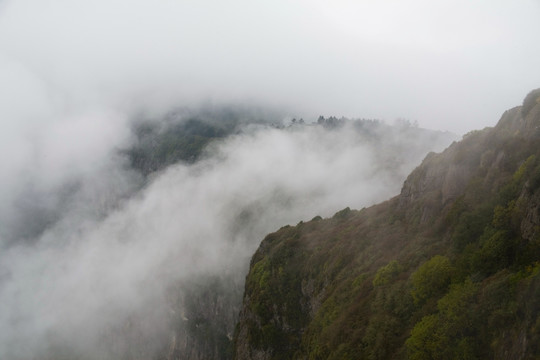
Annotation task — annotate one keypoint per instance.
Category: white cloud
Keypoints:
(376, 59)
(105, 258)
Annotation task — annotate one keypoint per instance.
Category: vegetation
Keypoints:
(183, 135)
(158, 147)
(431, 279)
(450, 269)
(530, 101)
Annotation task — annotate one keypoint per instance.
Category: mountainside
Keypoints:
(142, 252)
(449, 268)
(206, 308)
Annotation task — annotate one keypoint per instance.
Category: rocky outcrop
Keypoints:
(243, 347)
(203, 314)
(442, 178)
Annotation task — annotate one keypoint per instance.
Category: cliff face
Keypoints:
(203, 312)
(450, 268)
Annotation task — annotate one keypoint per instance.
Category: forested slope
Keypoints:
(450, 268)
(204, 308)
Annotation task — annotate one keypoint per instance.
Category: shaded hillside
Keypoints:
(450, 268)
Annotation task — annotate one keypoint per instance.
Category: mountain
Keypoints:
(140, 251)
(449, 268)
(205, 308)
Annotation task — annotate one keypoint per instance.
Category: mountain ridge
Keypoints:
(449, 268)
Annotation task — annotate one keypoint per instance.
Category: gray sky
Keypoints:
(450, 65)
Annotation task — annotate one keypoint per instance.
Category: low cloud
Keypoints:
(110, 253)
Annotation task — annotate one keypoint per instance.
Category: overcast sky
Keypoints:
(450, 65)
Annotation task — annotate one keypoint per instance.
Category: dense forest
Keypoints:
(448, 269)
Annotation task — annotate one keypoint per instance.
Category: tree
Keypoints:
(431, 278)
(450, 333)
(386, 273)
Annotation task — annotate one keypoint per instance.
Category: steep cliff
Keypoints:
(203, 314)
(449, 268)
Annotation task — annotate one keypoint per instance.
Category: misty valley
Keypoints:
(233, 232)
(144, 253)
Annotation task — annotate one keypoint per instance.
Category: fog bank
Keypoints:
(95, 279)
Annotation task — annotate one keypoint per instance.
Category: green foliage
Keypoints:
(431, 278)
(381, 336)
(449, 334)
(387, 273)
(476, 297)
(260, 273)
(343, 214)
(496, 252)
(425, 342)
(181, 137)
(470, 227)
(502, 216)
(391, 310)
(157, 148)
(455, 306)
(276, 278)
(524, 169)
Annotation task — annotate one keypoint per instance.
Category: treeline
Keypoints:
(183, 135)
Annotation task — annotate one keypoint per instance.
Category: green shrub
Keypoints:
(431, 279)
(386, 273)
(449, 334)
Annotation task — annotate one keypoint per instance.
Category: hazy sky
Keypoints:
(450, 65)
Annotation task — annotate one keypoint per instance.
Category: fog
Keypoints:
(90, 248)
(451, 66)
(109, 248)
